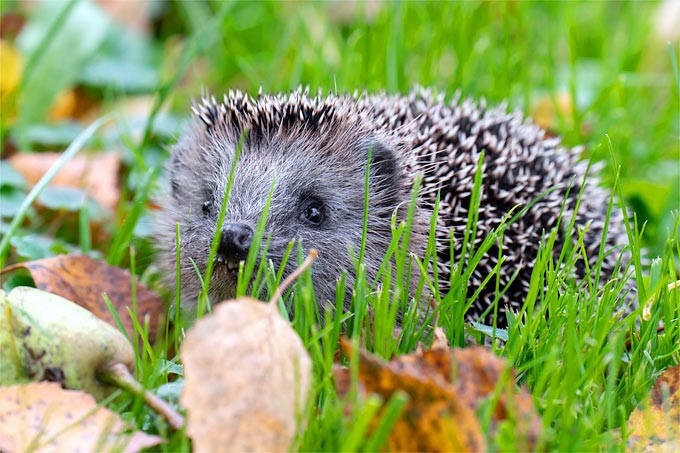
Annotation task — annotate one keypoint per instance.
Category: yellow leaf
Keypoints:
(11, 66)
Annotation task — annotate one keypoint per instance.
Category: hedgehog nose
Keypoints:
(235, 241)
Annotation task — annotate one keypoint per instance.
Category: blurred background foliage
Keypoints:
(593, 72)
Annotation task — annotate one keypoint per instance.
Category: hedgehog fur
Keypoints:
(316, 148)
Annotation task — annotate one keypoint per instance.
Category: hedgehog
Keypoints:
(315, 150)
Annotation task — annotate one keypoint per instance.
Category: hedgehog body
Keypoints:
(315, 148)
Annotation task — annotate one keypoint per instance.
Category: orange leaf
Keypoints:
(446, 387)
(98, 175)
(41, 416)
(82, 280)
(71, 104)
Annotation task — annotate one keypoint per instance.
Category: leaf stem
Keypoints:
(118, 374)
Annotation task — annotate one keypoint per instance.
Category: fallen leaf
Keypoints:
(655, 425)
(43, 417)
(446, 388)
(440, 341)
(247, 378)
(11, 67)
(98, 174)
(70, 104)
(83, 280)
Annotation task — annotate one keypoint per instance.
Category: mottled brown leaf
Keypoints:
(43, 417)
(655, 425)
(83, 280)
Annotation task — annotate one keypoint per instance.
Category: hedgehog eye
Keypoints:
(313, 213)
(207, 206)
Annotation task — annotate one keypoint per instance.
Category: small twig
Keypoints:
(296, 273)
(117, 374)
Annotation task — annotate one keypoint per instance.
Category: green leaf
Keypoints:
(124, 75)
(125, 61)
(10, 177)
(10, 201)
(171, 391)
(53, 134)
(60, 197)
(18, 278)
(32, 246)
(144, 227)
(35, 247)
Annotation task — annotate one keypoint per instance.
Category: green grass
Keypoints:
(576, 363)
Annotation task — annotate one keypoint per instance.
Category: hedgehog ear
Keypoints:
(384, 164)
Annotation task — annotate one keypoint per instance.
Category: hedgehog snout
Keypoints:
(234, 245)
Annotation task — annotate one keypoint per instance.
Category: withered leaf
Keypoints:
(43, 417)
(655, 426)
(446, 387)
(247, 379)
(83, 280)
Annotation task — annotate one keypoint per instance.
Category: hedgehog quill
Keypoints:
(316, 149)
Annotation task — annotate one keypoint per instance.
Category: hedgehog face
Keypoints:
(317, 202)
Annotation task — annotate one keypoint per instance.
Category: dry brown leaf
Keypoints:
(43, 417)
(434, 419)
(73, 103)
(655, 426)
(82, 280)
(440, 415)
(98, 174)
(247, 377)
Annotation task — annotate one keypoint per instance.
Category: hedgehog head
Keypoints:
(314, 151)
